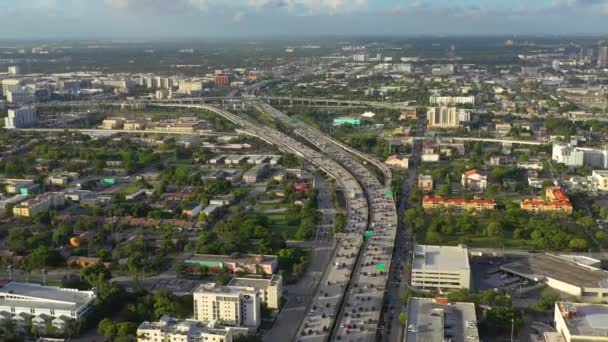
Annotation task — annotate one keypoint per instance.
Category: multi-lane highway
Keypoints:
(357, 314)
(336, 278)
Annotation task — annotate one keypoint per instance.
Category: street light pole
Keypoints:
(512, 326)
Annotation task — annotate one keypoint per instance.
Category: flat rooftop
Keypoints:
(38, 296)
(437, 258)
(589, 320)
(429, 321)
(562, 269)
(245, 258)
(258, 283)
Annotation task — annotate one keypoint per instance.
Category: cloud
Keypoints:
(238, 16)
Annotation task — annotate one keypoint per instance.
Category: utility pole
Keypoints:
(512, 327)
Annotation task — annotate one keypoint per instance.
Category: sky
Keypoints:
(31, 19)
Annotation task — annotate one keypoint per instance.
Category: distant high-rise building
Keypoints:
(14, 70)
(602, 57)
(10, 84)
(232, 305)
(443, 117)
(19, 118)
(586, 54)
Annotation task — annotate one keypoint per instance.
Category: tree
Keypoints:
(578, 244)
(49, 329)
(494, 230)
(444, 190)
(107, 328)
(43, 257)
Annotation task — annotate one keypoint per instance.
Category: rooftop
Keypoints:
(229, 289)
(44, 296)
(428, 257)
(258, 283)
(587, 320)
(240, 258)
(430, 321)
(562, 269)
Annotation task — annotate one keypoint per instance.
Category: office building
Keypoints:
(581, 322)
(234, 306)
(575, 275)
(602, 57)
(21, 118)
(451, 100)
(10, 84)
(19, 301)
(555, 201)
(270, 290)
(568, 155)
(441, 267)
(474, 180)
(437, 320)
(41, 203)
(442, 117)
(169, 329)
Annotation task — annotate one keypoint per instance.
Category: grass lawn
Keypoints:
(129, 188)
(480, 241)
(279, 219)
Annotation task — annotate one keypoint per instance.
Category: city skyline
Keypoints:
(242, 18)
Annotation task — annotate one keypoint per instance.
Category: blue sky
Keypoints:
(216, 18)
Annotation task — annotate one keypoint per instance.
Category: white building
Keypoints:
(11, 84)
(190, 87)
(567, 155)
(451, 100)
(20, 118)
(581, 322)
(19, 300)
(442, 117)
(580, 156)
(169, 329)
(234, 306)
(474, 180)
(599, 179)
(14, 70)
(270, 290)
(441, 267)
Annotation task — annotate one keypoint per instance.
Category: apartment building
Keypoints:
(21, 118)
(441, 267)
(41, 203)
(430, 202)
(270, 290)
(234, 306)
(442, 117)
(555, 201)
(451, 100)
(169, 329)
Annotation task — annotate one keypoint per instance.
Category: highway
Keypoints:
(357, 315)
(330, 289)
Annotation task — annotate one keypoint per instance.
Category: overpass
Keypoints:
(115, 131)
(491, 140)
